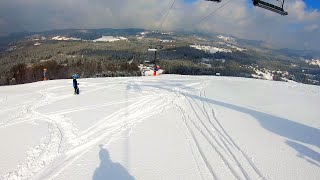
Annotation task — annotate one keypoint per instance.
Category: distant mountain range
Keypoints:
(92, 34)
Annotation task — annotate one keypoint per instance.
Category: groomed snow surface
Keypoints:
(163, 127)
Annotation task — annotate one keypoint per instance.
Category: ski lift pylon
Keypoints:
(155, 49)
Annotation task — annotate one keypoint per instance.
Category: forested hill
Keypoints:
(118, 52)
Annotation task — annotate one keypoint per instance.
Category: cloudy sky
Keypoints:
(300, 29)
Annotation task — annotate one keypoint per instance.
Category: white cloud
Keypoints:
(238, 18)
(311, 27)
(298, 11)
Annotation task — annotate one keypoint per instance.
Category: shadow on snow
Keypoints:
(277, 125)
(109, 170)
(306, 153)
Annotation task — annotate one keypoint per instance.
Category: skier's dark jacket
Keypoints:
(75, 83)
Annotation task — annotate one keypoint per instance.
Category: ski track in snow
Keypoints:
(110, 127)
(61, 133)
(65, 144)
(3, 99)
(235, 160)
(227, 136)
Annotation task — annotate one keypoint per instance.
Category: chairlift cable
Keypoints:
(213, 12)
(195, 24)
(159, 46)
(167, 14)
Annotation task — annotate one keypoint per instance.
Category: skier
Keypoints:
(75, 84)
(155, 70)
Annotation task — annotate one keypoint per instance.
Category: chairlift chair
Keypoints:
(265, 5)
(215, 0)
(271, 7)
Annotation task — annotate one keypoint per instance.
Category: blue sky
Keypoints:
(314, 4)
(189, 1)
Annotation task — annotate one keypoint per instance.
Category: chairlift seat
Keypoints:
(215, 0)
(270, 7)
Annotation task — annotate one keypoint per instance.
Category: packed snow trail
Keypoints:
(203, 128)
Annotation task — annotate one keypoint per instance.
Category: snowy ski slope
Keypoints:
(165, 127)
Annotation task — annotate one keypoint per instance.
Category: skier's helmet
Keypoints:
(75, 76)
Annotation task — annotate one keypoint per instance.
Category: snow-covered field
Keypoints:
(264, 74)
(314, 62)
(109, 39)
(102, 39)
(226, 38)
(163, 127)
(210, 49)
(62, 38)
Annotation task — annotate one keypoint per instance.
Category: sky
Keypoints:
(299, 30)
(312, 4)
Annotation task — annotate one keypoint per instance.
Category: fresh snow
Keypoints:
(163, 127)
(233, 47)
(168, 33)
(226, 38)
(144, 33)
(166, 41)
(314, 62)
(140, 37)
(62, 38)
(102, 39)
(109, 39)
(263, 74)
(210, 49)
